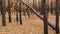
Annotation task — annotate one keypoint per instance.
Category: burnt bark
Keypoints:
(9, 11)
(57, 17)
(44, 16)
(20, 13)
(3, 13)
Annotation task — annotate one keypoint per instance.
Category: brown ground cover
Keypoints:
(32, 25)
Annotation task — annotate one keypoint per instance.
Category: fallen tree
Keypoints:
(41, 17)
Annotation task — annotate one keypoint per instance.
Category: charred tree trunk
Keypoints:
(16, 9)
(57, 17)
(3, 13)
(9, 11)
(20, 12)
(17, 15)
(44, 17)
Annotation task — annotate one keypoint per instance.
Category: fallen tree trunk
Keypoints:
(34, 11)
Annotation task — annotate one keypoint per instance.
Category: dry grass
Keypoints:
(31, 25)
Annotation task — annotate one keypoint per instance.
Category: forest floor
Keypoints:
(32, 25)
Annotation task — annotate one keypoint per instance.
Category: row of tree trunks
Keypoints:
(37, 3)
(3, 11)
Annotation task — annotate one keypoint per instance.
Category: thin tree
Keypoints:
(3, 13)
(51, 7)
(57, 17)
(27, 9)
(16, 9)
(45, 18)
(20, 12)
(9, 10)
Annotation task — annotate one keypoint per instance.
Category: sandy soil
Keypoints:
(32, 25)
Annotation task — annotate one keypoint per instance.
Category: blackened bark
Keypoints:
(45, 17)
(57, 17)
(3, 13)
(20, 12)
(9, 11)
